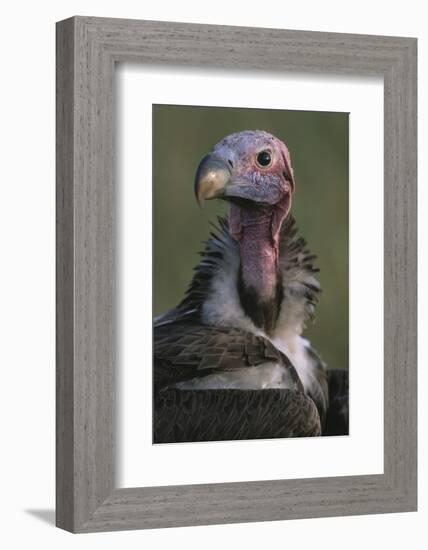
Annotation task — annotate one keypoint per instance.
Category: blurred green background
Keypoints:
(318, 144)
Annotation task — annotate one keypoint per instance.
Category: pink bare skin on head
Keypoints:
(258, 249)
(252, 170)
(256, 225)
(257, 231)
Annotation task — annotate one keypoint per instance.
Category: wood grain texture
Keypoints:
(64, 279)
(87, 49)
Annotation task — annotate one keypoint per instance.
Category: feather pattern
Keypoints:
(193, 350)
(220, 259)
(233, 414)
(206, 333)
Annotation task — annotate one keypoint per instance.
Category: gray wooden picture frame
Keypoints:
(87, 51)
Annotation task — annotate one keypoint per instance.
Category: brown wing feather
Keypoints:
(184, 350)
(219, 415)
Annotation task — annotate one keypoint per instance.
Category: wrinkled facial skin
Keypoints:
(264, 186)
(240, 151)
(252, 170)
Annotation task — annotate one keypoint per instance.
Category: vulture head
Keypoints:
(252, 171)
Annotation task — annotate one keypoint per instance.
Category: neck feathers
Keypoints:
(219, 295)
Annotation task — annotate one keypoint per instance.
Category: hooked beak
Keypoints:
(212, 177)
(214, 180)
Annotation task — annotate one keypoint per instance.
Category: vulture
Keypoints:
(230, 361)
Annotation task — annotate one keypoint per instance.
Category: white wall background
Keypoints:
(27, 271)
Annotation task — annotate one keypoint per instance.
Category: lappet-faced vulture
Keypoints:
(230, 361)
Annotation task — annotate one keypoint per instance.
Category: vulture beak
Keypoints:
(214, 180)
(212, 177)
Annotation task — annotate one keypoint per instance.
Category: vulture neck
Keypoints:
(259, 279)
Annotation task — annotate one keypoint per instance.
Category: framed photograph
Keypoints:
(236, 274)
(257, 284)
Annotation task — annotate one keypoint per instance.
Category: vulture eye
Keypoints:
(264, 159)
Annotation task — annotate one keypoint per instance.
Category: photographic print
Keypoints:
(251, 335)
(167, 334)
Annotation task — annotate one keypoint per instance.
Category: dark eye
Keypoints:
(264, 158)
